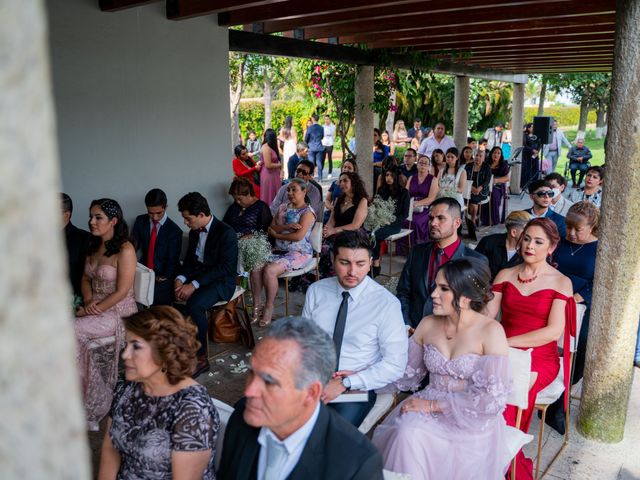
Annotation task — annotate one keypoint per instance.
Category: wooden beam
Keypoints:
(115, 5)
(505, 52)
(551, 53)
(456, 13)
(524, 45)
(183, 9)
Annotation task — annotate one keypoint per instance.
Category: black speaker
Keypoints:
(543, 129)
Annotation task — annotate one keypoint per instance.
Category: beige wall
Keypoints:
(141, 102)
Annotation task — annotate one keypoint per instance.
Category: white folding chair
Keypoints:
(144, 285)
(405, 232)
(313, 263)
(384, 403)
(224, 412)
(554, 391)
(520, 369)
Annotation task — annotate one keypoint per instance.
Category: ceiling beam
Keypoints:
(115, 5)
(522, 54)
(523, 45)
(183, 9)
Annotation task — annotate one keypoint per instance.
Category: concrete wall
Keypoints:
(141, 102)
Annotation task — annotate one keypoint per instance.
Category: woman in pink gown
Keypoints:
(107, 290)
(453, 429)
(537, 306)
(271, 172)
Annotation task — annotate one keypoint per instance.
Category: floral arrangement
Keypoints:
(254, 251)
(380, 213)
(392, 285)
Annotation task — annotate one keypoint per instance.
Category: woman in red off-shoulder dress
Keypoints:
(537, 306)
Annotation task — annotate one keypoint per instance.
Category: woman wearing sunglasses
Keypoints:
(541, 193)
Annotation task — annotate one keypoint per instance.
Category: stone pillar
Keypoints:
(43, 428)
(461, 111)
(517, 124)
(364, 125)
(616, 295)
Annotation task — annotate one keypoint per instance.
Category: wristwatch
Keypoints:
(346, 383)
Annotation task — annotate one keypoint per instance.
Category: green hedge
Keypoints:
(566, 116)
(252, 116)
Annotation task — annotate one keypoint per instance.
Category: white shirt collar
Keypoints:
(208, 225)
(297, 439)
(354, 292)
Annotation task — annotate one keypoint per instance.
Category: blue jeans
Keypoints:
(354, 412)
(553, 156)
(317, 158)
(574, 167)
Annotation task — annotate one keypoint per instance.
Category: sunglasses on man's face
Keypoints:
(302, 171)
(548, 193)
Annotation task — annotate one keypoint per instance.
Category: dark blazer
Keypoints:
(413, 292)
(313, 138)
(557, 219)
(166, 256)
(335, 450)
(77, 241)
(220, 259)
(494, 247)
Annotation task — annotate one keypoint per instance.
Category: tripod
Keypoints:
(536, 176)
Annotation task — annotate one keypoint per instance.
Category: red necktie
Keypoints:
(152, 245)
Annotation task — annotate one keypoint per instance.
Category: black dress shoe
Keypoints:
(201, 367)
(556, 420)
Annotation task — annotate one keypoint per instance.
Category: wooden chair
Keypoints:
(554, 391)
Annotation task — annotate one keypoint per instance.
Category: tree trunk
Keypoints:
(543, 95)
(600, 120)
(267, 99)
(584, 112)
(391, 115)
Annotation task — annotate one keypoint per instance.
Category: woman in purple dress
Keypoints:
(453, 428)
(271, 172)
(500, 171)
(424, 190)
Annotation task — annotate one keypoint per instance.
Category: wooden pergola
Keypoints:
(494, 36)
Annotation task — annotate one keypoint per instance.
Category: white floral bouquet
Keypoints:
(380, 213)
(254, 251)
(392, 285)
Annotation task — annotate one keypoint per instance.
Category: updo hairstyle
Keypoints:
(471, 278)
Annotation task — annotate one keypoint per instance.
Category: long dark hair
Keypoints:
(271, 139)
(452, 151)
(379, 145)
(357, 187)
(390, 191)
(111, 209)
(490, 159)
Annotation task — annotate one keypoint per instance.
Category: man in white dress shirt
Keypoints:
(438, 140)
(366, 323)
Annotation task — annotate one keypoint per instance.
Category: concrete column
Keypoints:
(42, 433)
(517, 124)
(616, 295)
(461, 111)
(364, 125)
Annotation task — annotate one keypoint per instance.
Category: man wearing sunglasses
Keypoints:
(541, 193)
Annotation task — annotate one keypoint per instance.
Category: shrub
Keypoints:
(252, 116)
(568, 116)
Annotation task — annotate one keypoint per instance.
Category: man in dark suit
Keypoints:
(541, 194)
(160, 250)
(208, 274)
(313, 138)
(281, 429)
(418, 275)
(77, 241)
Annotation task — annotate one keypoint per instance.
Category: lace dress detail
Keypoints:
(100, 339)
(463, 441)
(146, 429)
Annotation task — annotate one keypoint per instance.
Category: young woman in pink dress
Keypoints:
(271, 172)
(107, 290)
(453, 428)
(537, 306)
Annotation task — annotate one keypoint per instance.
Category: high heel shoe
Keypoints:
(257, 313)
(266, 316)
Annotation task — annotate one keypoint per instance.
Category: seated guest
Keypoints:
(302, 150)
(501, 248)
(438, 162)
(537, 306)
(391, 189)
(77, 241)
(423, 188)
(579, 156)
(162, 424)
(247, 213)
(559, 204)
(304, 172)
(350, 209)
(479, 174)
(365, 321)
(208, 274)
(417, 140)
(348, 165)
(466, 155)
(282, 429)
(107, 292)
(159, 241)
(431, 434)
(400, 134)
(472, 143)
(291, 228)
(380, 152)
(452, 178)
(592, 190)
(408, 168)
(416, 283)
(541, 193)
(244, 166)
